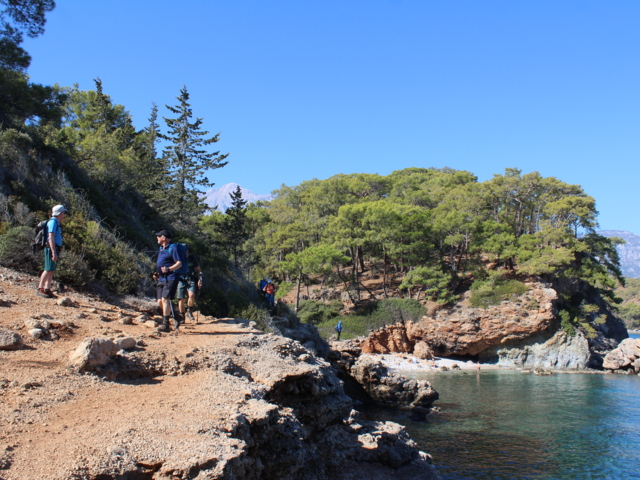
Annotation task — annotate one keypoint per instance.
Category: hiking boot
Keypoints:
(42, 293)
(50, 294)
(190, 315)
(164, 327)
(177, 321)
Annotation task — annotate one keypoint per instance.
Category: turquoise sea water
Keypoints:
(509, 425)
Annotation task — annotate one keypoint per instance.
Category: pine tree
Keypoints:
(234, 228)
(188, 160)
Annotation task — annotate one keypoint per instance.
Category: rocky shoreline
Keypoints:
(91, 391)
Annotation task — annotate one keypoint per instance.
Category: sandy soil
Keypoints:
(52, 416)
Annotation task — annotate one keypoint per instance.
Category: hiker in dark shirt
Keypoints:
(270, 294)
(168, 262)
(52, 251)
(188, 286)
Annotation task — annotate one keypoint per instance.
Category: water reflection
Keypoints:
(509, 425)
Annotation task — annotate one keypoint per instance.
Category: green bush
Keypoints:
(314, 312)
(72, 270)
(486, 293)
(16, 253)
(283, 289)
(566, 323)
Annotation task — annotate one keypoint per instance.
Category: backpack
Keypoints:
(40, 237)
(182, 254)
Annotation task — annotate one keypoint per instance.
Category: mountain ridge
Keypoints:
(629, 252)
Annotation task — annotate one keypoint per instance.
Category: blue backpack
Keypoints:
(182, 254)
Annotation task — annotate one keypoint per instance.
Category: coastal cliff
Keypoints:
(91, 391)
(524, 331)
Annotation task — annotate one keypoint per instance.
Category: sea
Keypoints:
(506, 425)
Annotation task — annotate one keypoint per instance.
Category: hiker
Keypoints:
(270, 294)
(188, 285)
(168, 262)
(339, 328)
(261, 285)
(52, 251)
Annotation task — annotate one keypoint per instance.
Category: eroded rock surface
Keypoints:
(219, 400)
(625, 357)
(467, 330)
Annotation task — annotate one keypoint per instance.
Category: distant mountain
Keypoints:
(629, 252)
(219, 197)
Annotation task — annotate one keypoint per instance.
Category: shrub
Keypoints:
(486, 293)
(251, 312)
(72, 270)
(16, 253)
(314, 312)
(566, 323)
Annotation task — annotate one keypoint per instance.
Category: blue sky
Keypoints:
(308, 89)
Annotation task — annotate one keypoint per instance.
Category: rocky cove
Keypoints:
(90, 390)
(524, 332)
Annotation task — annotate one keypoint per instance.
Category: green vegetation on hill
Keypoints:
(428, 234)
(629, 309)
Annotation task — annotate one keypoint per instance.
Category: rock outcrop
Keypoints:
(392, 390)
(368, 380)
(285, 416)
(522, 332)
(559, 352)
(625, 357)
(466, 330)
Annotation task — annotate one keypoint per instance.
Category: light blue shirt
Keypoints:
(53, 226)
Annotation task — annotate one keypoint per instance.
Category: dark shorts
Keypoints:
(186, 285)
(167, 289)
(49, 264)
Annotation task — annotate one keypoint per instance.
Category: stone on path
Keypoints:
(93, 352)
(10, 340)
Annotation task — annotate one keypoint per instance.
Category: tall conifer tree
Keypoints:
(188, 160)
(234, 228)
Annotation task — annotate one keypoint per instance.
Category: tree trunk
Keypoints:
(298, 291)
(384, 271)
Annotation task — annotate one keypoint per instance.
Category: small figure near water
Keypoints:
(339, 328)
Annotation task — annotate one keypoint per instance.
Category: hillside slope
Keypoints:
(219, 400)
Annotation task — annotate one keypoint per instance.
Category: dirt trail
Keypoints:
(52, 417)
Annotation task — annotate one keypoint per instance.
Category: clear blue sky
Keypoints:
(308, 89)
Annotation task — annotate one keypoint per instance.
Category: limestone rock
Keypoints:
(31, 323)
(64, 302)
(466, 330)
(10, 340)
(630, 348)
(390, 389)
(423, 351)
(560, 352)
(615, 360)
(93, 352)
(126, 343)
(37, 333)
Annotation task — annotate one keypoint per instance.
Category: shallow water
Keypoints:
(508, 425)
